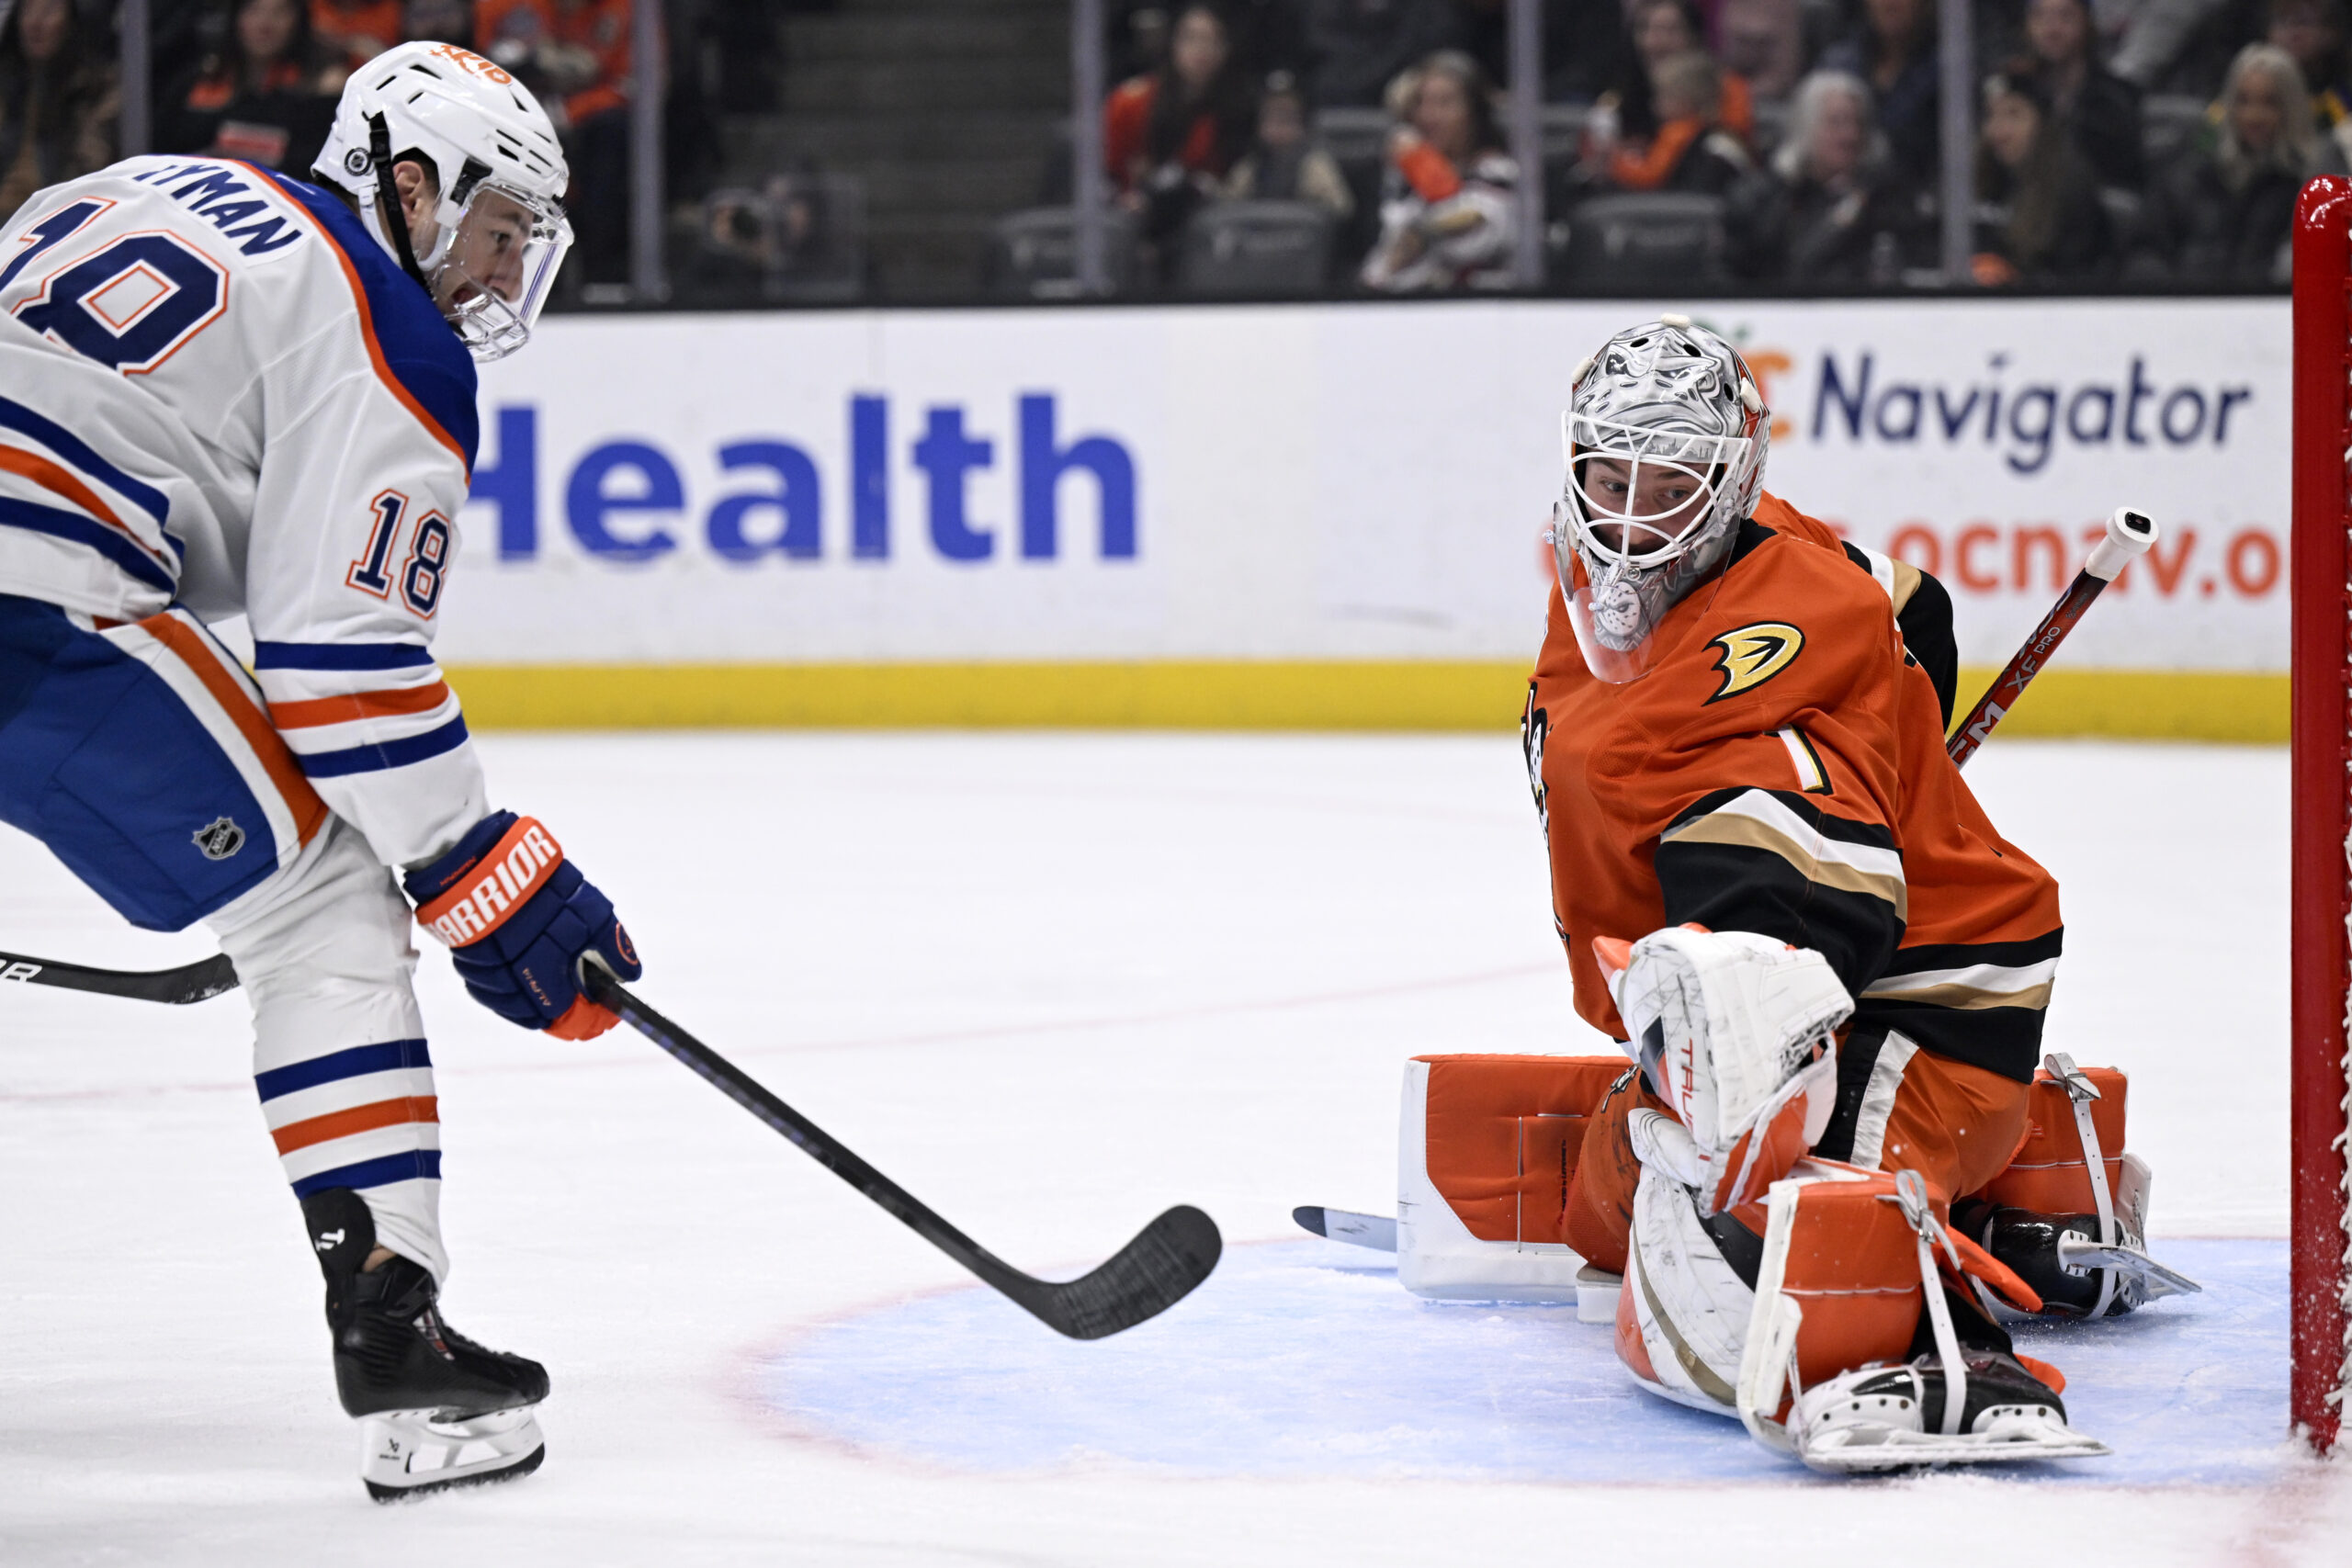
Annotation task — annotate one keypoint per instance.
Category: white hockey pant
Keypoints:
(324, 951)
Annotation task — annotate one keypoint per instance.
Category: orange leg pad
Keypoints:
(1504, 1136)
(2049, 1174)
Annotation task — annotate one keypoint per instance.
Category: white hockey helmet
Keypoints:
(500, 175)
(1664, 439)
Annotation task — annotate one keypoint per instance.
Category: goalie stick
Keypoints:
(1377, 1232)
(1142, 1279)
(2128, 533)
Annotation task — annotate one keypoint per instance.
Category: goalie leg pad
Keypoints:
(1488, 1149)
(1599, 1218)
(1683, 1311)
(1851, 1261)
(2070, 1212)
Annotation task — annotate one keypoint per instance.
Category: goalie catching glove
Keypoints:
(518, 919)
(1733, 1031)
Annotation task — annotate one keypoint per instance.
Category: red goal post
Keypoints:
(2321, 1332)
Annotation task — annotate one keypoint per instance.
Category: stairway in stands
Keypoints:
(945, 109)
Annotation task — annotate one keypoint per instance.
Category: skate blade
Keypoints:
(2080, 1254)
(409, 1454)
(1860, 1450)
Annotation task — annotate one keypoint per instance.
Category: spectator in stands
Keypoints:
(1894, 53)
(1656, 31)
(2311, 32)
(2040, 218)
(1447, 215)
(1692, 150)
(1170, 137)
(1285, 164)
(2164, 45)
(2224, 213)
(59, 100)
(2099, 110)
(1763, 42)
(1829, 213)
(575, 55)
(1191, 117)
(1361, 47)
(266, 94)
(356, 31)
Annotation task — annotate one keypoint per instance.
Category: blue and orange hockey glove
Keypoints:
(518, 918)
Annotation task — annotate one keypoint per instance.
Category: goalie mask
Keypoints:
(1664, 439)
(499, 229)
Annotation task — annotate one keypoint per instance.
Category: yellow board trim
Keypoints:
(1239, 695)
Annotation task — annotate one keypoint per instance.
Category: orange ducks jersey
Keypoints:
(1780, 769)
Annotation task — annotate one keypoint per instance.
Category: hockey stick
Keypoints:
(197, 982)
(1144, 1279)
(2128, 533)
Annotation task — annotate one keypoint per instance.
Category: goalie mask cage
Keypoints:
(2322, 578)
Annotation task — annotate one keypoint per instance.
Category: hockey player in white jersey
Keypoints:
(223, 391)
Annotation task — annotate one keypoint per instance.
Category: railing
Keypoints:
(1527, 117)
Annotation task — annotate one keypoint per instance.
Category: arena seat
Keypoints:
(1646, 239)
(1256, 247)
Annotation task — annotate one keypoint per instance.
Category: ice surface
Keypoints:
(1054, 984)
(2187, 1391)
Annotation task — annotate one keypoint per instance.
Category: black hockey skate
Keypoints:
(2070, 1268)
(1892, 1417)
(436, 1409)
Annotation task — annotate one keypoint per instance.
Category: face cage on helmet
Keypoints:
(1617, 594)
(1705, 460)
(494, 314)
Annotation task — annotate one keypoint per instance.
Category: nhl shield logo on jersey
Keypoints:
(218, 839)
(1753, 655)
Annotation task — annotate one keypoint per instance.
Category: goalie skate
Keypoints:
(1892, 1417)
(407, 1453)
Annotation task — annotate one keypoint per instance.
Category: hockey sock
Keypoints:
(366, 1120)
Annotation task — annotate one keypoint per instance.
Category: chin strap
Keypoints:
(379, 146)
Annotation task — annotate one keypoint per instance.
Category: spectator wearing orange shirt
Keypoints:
(1191, 116)
(357, 30)
(1658, 30)
(1692, 150)
(1168, 138)
(575, 55)
(1447, 215)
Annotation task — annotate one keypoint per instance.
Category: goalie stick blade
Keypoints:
(1342, 1224)
(1153, 1272)
(197, 982)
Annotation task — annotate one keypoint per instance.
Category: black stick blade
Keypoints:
(197, 982)
(1142, 1279)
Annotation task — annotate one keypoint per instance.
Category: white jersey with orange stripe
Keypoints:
(217, 391)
